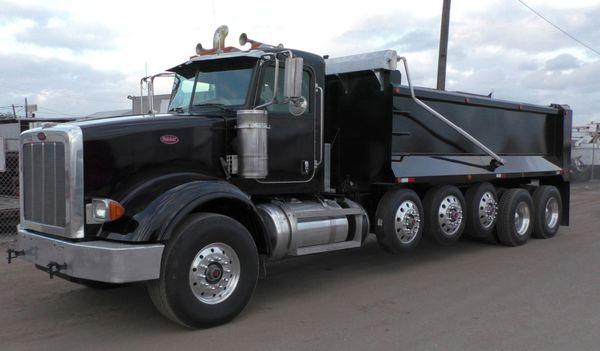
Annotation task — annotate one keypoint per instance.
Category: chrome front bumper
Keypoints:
(103, 261)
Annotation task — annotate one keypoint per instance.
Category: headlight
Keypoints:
(103, 210)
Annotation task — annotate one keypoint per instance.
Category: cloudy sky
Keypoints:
(79, 57)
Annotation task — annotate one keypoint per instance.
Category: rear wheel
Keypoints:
(444, 213)
(547, 205)
(515, 217)
(482, 211)
(209, 272)
(398, 220)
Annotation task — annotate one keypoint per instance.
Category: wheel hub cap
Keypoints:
(450, 215)
(214, 273)
(407, 222)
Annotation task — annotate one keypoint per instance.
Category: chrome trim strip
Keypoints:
(103, 261)
(72, 136)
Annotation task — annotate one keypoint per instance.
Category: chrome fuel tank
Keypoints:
(300, 227)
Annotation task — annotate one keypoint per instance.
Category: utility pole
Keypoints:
(14, 112)
(26, 115)
(443, 54)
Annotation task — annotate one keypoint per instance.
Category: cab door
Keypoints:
(291, 139)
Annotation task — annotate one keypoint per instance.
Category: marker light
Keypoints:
(103, 210)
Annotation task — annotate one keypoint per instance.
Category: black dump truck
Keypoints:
(269, 152)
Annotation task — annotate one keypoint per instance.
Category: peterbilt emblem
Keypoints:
(169, 139)
(41, 136)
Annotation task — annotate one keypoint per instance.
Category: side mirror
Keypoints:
(292, 85)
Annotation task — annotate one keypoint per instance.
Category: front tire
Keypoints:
(209, 272)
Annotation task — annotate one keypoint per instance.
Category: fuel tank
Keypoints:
(297, 227)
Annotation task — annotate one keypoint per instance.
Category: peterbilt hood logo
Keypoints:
(169, 139)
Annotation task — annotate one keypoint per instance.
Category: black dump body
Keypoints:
(380, 137)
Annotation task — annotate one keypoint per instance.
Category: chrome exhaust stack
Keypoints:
(219, 38)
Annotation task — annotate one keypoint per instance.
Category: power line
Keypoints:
(560, 29)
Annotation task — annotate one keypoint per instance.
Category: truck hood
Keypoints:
(122, 153)
(117, 126)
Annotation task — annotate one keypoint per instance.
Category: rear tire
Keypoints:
(208, 273)
(444, 214)
(547, 205)
(482, 211)
(515, 217)
(398, 222)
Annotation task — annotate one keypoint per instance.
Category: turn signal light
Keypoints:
(103, 210)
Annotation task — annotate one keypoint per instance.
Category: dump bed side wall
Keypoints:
(509, 129)
(534, 140)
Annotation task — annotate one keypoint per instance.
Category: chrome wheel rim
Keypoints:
(488, 209)
(551, 212)
(450, 215)
(214, 273)
(522, 218)
(407, 222)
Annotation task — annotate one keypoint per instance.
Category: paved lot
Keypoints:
(542, 296)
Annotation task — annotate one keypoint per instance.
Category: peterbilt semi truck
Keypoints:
(269, 152)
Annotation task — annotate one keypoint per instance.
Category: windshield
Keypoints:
(223, 87)
(181, 94)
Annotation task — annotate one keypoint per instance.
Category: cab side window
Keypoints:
(266, 89)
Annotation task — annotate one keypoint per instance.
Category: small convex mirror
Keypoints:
(298, 106)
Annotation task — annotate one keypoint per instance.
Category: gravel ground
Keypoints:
(472, 296)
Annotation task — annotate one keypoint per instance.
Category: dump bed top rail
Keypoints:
(385, 59)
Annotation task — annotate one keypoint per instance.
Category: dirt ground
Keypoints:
(472, 296)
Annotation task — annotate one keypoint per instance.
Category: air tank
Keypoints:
(252, 128)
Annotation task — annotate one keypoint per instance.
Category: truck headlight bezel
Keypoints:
(103, 210)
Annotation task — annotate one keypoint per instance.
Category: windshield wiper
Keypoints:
(177, 109)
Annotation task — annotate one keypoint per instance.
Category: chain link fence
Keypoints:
(9, 197)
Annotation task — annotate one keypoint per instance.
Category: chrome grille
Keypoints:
(44, 178)
(51, 172)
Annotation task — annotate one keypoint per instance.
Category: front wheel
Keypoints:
(209, 271)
